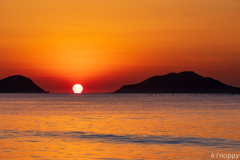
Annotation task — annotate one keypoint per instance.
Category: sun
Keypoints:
(77, 88)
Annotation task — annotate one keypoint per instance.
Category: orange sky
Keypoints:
(106, 44)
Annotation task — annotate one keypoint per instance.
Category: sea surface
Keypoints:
(119, 126)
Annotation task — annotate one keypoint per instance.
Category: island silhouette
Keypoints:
(19, 84)
(183, 82)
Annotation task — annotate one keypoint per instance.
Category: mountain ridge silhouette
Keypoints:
(182, 82)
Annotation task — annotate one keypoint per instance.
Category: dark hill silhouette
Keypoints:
(183, 82)
(19, 84)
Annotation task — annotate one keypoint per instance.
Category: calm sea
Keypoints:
(119, 126)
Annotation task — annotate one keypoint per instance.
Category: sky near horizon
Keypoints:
(104, 44)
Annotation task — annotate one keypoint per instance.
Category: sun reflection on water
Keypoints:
(86, 130)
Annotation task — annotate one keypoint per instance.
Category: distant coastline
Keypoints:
(19, 84)
(183, 82)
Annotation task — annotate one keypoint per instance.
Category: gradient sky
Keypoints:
(104, 44)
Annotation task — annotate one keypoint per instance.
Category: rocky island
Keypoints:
(19, 84)
(183, 82)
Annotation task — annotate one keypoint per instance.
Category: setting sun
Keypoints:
(77, 88)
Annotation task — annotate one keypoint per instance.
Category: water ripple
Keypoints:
(153, 139)
(141, 139)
